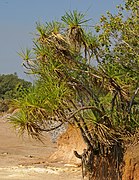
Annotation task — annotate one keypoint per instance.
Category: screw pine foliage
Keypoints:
(91, 81)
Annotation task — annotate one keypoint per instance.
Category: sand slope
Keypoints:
(22, 158)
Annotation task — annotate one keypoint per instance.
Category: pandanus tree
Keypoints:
(90, 81)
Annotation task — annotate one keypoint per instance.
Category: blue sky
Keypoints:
(18, 19)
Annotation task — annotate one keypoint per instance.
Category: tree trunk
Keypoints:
(102, 164)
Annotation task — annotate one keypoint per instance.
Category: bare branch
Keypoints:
(51, 129)
(132, 99)
(84, 108)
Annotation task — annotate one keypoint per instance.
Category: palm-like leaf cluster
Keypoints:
(70, 88)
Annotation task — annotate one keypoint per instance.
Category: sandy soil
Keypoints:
(22, 158)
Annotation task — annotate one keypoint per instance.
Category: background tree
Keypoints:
(10, 88)
(101, 100)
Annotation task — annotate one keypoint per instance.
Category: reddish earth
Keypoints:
(67, 143)
(131, 158)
